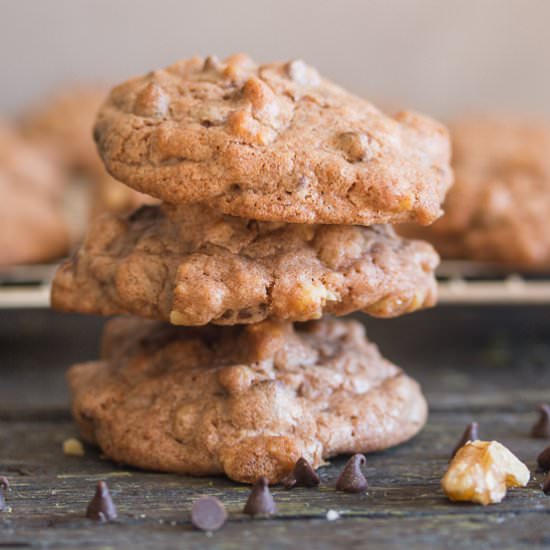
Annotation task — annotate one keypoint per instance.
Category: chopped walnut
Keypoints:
(302, 74)
(237, 66)
(152, 101)
(356, 146)
(244, 125)
(73, 447)
(482, 471)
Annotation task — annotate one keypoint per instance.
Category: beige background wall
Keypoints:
(440, 56)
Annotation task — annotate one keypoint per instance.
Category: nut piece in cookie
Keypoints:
(245, 401)
(191, 265)
(482, 471)
(243, 138)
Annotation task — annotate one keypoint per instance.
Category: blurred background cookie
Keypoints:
(61, 124)
(499, 207)
(32, 227)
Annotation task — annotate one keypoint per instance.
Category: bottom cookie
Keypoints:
(244, 401)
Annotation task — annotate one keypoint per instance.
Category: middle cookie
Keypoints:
(192, 265)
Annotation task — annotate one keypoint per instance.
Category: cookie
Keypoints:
(32, 227)
(191, 265)
(245, 401)
(63, 123)
(272, 142)
(499, 207)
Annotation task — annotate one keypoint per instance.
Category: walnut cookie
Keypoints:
(499, 207)
(273, 142)
(192, 265)
(32, 224)
(246, 401)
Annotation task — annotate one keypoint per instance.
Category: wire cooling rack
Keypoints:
(459, 283)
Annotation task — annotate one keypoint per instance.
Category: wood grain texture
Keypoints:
(489, 366)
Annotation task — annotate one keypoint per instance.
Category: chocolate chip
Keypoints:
(541, 428)
(4, 486)
(303, 475)
(543, 460)
(351, 479)
(208, 514)
(546, 485)
(260, 501)
(470, 434)
(101, 507)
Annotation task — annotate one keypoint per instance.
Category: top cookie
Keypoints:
(272, 142)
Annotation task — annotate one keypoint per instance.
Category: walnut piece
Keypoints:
(73, 447)
(151, 101)
(482, 471)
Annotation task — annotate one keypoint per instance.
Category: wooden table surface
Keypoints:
(486, 364)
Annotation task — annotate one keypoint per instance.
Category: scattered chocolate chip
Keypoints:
(260, 500)
(208, 514)
(541, 428)
(546, 485)
(101, 507)
(351, 479)
(4, 486)
(303, 475)
(470, 434)
(543, 460)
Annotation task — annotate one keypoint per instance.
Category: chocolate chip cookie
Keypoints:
(499, 207)
(272, 142)
(32, 227)
(62, 125)
(247, 400)
(192, 265)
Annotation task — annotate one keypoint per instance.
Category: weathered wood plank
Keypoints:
(403, 481)
(495, 375)
(465, 358)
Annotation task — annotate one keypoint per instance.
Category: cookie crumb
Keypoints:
(73, 447)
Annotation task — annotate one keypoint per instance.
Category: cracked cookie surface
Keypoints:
(274, 142)
(192, 265)
(246, 400)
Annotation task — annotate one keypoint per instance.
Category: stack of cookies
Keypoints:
(275, 183)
